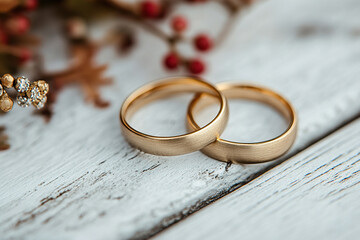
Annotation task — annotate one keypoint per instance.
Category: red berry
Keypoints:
(196, 66)
(203, 42)
(171, 61)
(18, 24)
(179, 23)
(150, 9)
(25, 55)
(31, 4)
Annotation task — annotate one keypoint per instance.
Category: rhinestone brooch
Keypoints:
(28, 93)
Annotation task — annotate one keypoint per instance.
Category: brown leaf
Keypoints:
(83, 72)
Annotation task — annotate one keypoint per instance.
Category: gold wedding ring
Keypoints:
(174, 145)
(258, 152)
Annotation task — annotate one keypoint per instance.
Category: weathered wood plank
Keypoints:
(76, 177)
(314, 195)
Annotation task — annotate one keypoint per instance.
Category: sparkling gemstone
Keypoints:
(22, 84)
(35, 94)
(1, 90)
(41, 103)
(46, 88)
(43, 86)
(23, 100)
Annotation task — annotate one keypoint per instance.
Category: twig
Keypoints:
(130, 12)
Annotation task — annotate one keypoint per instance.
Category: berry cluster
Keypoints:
(155, 10)
(201, 42)
(146, 12)
(14, 25)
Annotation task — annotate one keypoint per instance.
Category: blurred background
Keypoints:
(67, 169)
(107, 48)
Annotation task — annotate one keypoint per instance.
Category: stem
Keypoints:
(129, 12)
(228, 25)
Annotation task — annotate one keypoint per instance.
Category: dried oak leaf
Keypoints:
(84, 72)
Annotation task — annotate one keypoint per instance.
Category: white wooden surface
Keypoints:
(77, 178)
(314, 195)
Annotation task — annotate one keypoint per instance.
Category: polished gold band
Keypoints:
(248, 152)
(176, 145)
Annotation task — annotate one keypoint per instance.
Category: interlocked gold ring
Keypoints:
(228, 151)
(175, 145)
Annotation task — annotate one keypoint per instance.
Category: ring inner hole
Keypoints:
(166, 116)
(249, 121)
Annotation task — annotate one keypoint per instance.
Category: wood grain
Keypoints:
(313, 195)
(77, 178)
